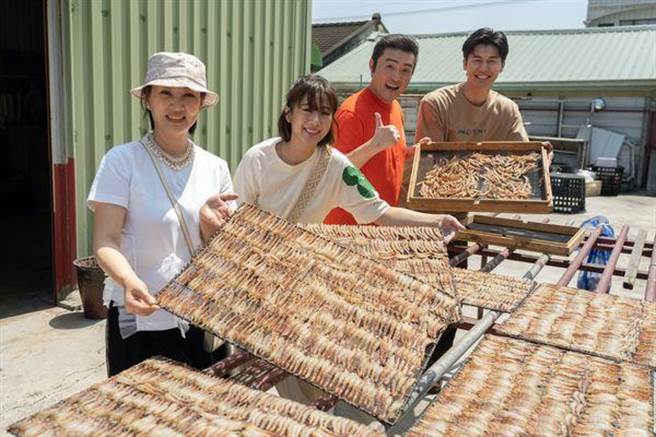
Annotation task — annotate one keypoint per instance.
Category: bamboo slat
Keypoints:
(511, 387)
(609, 326)
(349, 325)
(161, 397)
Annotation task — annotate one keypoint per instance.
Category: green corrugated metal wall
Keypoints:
(253, 50)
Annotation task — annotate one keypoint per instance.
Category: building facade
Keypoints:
(96, 51)
(609, 13)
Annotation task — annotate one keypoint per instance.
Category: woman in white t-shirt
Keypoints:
(273, 174)
(139, 237)
(298, 176)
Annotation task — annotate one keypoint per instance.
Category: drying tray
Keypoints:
(162, 397)
(290, 297)
(428, 155)
(513, 387)
(419, 251)
(608, 326)
(520, 234)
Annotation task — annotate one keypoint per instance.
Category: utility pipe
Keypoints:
(650, 294)
(604, 282)
(576, 263)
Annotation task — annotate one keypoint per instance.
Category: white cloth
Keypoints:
(152, 239)
(263, 179)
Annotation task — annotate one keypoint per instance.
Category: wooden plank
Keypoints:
(511, 231)
(523, 224)
(485, 146)
(413, 174)
(471, 205)
(634, 261)
(528, 206)
(533, 237)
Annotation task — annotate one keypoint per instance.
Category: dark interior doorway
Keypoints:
(25, 168)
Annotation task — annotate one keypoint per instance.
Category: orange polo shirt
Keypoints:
(356, 124)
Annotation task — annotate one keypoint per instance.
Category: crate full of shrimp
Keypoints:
(492, 176)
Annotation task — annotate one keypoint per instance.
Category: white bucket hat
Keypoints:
(180, 70)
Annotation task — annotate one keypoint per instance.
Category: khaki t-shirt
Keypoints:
(446, 115)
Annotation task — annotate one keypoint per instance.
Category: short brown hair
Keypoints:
(405, 43)
(487, 37)
(317, 90)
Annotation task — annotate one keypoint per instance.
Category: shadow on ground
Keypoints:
(74, 320)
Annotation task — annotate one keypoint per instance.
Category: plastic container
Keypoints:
(593, 188)
(611, 178)
(91, 282)
(568, 192)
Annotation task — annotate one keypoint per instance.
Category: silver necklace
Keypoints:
(172, 162)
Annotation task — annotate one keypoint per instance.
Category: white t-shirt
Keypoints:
(265, 180)
(152, 240)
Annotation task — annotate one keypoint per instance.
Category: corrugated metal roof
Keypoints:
(593, 57)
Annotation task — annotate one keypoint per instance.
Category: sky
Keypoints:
(440, 16)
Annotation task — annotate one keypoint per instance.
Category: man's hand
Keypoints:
(385, 136)
(137, 298)
(410, 150)
(450, 226)
(214, 213)
(550, 153)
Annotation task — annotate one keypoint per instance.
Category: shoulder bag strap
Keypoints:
(174, 202)
(311, 185)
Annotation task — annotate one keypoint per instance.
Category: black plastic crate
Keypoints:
(611, 178)
(568, 192)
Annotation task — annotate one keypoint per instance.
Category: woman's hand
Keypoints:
(214, 213)
(449, 226)
(137, 298)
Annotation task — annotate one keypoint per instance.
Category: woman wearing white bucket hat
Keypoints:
(147, 196)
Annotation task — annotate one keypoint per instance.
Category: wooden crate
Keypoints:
(426, 156)
(518, 234)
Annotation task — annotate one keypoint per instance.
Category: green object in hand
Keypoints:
(352, 176)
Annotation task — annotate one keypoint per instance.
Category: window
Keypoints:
(638, 22)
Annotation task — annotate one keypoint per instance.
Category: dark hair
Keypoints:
(487, 37)
(145, 92)
(318, 91)
(397, 41)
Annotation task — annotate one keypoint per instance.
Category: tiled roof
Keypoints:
(327, 35)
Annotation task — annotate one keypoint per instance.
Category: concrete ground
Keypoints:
(49, 353)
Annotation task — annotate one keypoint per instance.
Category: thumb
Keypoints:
(228, 196)
(379, 119)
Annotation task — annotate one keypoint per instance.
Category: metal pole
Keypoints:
(270, 379)
(498, 259)
(604, 282)
(650, 294)
(576, 263)
(446, 361)
(225, 365)
(459, 258)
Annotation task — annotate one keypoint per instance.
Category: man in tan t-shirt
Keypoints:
(471, 111)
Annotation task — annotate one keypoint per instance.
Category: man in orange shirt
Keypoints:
(370, 122)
